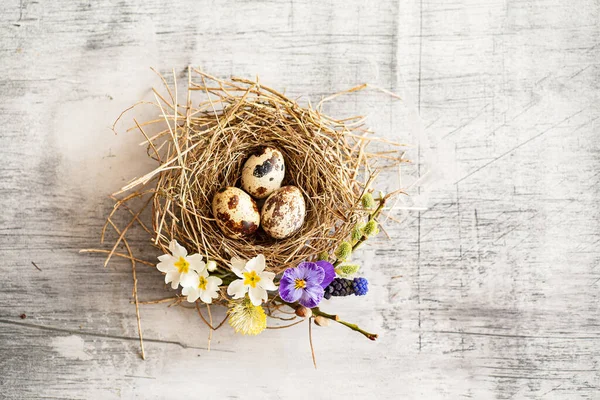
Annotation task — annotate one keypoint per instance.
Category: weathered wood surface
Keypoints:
(499, 293)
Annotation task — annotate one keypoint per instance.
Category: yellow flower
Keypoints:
(246, 318)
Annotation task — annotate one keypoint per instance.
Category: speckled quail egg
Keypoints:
(236, 212)
(283, 212)
(263, 172)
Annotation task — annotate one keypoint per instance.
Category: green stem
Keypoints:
(360, 241)
(317, 311)
(354, 327)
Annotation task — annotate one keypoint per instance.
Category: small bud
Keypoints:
(323, 256)
(357, 231)
(303, 312)
(321, 321)
(367, 201)
(344, 251)
(211, 265)
(371, 228)
(347, 270)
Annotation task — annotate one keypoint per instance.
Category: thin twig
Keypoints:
(122, 235)
(118, 255)
(354, 327)
(207, 323)
(210, 329)
(135, 292)
(159, 301)
(312, 349)
(137, 303)
(285, 326)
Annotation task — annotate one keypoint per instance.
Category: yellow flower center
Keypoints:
(299, 284)
(251, 278)
(182, 265)
(202, 283)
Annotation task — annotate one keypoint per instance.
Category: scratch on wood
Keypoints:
(102, 335)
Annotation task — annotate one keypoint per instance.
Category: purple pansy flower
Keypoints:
(306, 283)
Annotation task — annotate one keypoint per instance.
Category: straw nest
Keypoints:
(201, 146)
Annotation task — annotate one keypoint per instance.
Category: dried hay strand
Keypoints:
(202, 145)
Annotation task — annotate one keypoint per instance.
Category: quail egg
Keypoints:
(236, 212)
(283, 212)
(263, 172)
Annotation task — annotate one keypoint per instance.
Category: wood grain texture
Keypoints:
(499, 290)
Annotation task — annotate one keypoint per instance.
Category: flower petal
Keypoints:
(287, 291)
(237, 289)
(295, 273)
(213, 283)
(266, 281)
(256, 264)
(191, 293)
(190, 279)
(302, 269)
(313, 274)
(177, 250)
(237, 266)
(173, 277)
(312, 296)
(166, 257)
(329, 272)
(206, 297)
(257, 295)
(167, 265)
(196, 263)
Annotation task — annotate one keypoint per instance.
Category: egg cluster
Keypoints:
(282, 213)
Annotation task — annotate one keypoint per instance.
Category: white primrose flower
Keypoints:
(179, 267)
(254, 279)
(202, 286)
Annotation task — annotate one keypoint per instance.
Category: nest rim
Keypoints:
(316, 160)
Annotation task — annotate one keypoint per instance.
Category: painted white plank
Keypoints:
(499, 290)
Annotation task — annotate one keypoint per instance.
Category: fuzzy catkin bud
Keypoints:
(321, 321)
(357, 231)
(371, 228)
(347, 270)
(367, 201)
(303, 312)
(324, 256)
(343, 251)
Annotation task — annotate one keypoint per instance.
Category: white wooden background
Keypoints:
(499, 293)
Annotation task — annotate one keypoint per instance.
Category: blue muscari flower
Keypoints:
(360, 286)
(346, 287)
